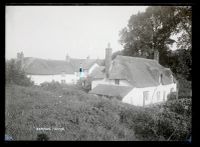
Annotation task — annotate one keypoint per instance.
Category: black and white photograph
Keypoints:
(98, 73)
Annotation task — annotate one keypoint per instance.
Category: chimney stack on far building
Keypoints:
(108, 58)
(20, 59)
(156, 55)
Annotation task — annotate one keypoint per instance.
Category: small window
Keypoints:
(116, 81)
(63, 81)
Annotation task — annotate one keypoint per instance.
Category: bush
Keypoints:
(172, 96)
(85, 84)
(42, 137)
(173, 126)
(16, 75)
(169, 121)
(51, 86)
(140, 121)
(174, 122)
(185, 88)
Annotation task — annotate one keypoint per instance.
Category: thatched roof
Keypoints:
(111, 90)
(140, 72)
(38, 66)
(98, 73)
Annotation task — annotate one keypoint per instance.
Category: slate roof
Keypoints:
(111, 90)
(36, 66)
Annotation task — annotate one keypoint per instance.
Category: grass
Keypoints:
(88, 117)
(84, 117)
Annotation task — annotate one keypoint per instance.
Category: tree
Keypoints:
(152, 29)
(15, 74)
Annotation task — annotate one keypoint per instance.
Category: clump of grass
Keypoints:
(42, 137)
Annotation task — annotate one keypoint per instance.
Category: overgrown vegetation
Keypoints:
(87, 117)
(16, 75)
(83, 117)
(85, 84)
(153, 30)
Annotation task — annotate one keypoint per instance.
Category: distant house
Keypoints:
(63, 71)
(133, 80)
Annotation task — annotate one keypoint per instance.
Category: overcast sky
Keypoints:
(51, 32)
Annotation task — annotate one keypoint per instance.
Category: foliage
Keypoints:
(51, 86)
(185, 88)
(87, 117)
(85, 84)
(180, 62)
(15, 74)
(169, 121)
(82, 116)
(146, 33)
(152, 30)
(184, 27)
(42, 137)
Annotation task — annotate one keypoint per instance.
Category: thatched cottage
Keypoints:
(133, 80)
(63, 71)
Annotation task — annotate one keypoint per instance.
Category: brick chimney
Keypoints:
(156, 55)
(108, 58)
(20, 59)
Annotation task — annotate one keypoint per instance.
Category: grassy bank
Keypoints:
(82, 116)
(87, 117)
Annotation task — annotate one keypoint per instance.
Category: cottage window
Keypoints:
(63, 81)
(116, 81)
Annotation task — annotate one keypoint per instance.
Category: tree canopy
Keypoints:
(153, 30)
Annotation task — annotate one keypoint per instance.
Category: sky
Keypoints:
(52, 32)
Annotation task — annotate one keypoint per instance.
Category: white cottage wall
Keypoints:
(69, 78)
(135, 96)
(109, 82)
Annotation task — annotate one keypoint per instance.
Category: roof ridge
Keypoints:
(140, 58)
(114, 85)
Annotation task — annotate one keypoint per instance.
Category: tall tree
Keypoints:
(152, 30)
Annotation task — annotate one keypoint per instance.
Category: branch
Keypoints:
(172, 134)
